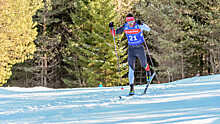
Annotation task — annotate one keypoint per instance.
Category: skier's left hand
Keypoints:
(139, 22)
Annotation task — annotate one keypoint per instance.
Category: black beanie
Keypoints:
(129, 15)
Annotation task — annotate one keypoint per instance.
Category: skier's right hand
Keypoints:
(111, 25)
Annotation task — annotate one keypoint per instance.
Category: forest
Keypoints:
(68, 43)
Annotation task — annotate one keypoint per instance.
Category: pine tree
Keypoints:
(74, 70)
(43, 69)
(53, 21)
(183, 33)
(16, 34)
(101, 15)
(197, 23)
(159, 39)
(48, 43)
(93, 46)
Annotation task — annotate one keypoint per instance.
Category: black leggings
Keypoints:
(134, 52)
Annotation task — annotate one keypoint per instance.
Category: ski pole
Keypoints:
(150, 59)
(117, 59)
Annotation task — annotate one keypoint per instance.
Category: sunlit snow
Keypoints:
(189, 101)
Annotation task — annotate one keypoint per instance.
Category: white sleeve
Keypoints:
(145, 27)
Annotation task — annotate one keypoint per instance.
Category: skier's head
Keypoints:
(130, 19)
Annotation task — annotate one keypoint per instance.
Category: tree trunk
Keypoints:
(42, 72)
(183, 75)
(168, 75)
(201, 65)
(45, 70)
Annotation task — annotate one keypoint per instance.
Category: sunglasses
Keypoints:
(130, 22)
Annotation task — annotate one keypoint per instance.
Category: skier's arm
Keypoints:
(120, 30)
(143, 26)
(117, 31)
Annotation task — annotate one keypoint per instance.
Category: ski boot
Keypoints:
(148, 76)
(147, 68)
(131, 90)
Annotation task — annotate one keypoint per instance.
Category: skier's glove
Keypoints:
(111, 25)
(139, 22)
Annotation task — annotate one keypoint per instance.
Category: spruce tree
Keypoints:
(93, 46)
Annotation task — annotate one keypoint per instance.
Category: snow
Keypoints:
(192, 100)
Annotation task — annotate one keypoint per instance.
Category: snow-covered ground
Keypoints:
(194, 100)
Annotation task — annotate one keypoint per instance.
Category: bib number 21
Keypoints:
(132, 38)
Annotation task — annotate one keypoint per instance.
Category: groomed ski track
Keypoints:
(192, 100)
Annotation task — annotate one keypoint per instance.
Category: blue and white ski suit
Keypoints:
(136, 49)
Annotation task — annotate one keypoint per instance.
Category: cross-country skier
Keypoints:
(133, 30)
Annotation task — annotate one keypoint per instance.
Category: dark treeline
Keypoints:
(74, 46)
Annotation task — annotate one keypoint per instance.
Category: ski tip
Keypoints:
(122, 88)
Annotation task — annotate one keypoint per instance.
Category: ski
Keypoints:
(148, 83)
(145, 90)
